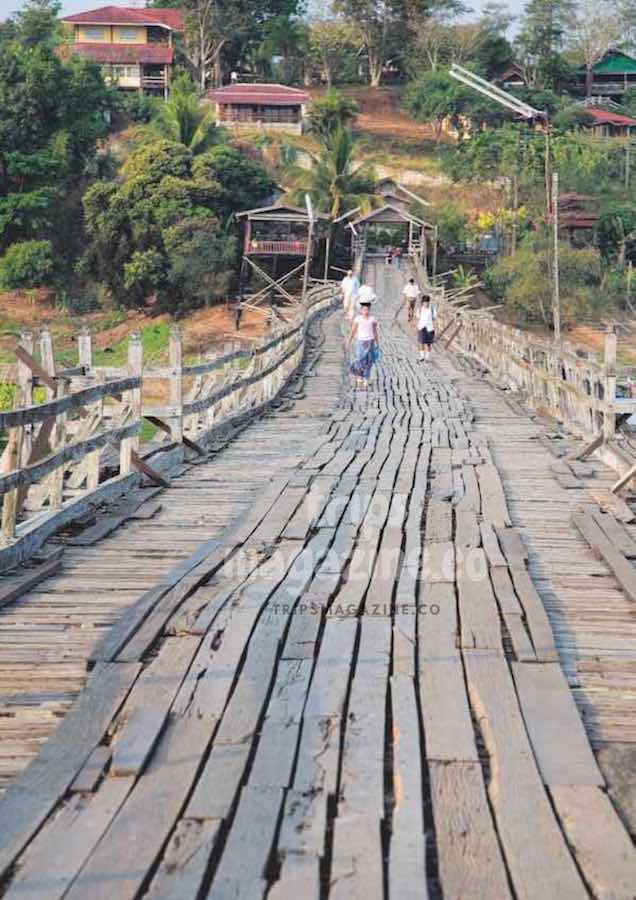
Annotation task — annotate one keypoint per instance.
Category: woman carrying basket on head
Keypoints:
(365, 330)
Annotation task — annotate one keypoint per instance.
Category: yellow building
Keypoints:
(135, 47)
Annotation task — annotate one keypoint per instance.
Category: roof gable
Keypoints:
(615, 62)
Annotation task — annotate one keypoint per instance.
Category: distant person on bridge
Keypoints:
(410, 294)
(350, 287)
(365, 331)
(426, 328)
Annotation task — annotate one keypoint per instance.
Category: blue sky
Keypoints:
(7, 7)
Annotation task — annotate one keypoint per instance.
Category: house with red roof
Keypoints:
(608, 123)
(135, 47)
(268, 106)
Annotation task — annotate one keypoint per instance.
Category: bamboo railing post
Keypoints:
(175, 350)
(133, 398)
(609, 416)
(12, 456)
(56, 479)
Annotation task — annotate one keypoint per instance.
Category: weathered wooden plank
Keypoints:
(494, 507)
(32, 796)
(490, 544)
(558, 739)
(53, 860)
(446, 718)
(537, 620)
(185, 861)
(623, 570)
(439, 521)
(602, 847)
(538, 859)
(478, 613)
(22, 583)
(92, 771)
(121, 861)
(467, 533)
(407, 853)
(615, 533)
(610, 503)
(240, 873)
(356, 866)
(146, 709)
(299, 877)
(469, 859)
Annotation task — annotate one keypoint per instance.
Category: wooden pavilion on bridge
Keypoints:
(421, 236)
(279, 243)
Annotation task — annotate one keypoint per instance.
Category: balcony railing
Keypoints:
(151, 81)
(605, 88)
(286, 248)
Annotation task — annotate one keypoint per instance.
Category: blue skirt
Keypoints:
(364, 359)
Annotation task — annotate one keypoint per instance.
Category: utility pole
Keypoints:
(556, 300)
(628, 150)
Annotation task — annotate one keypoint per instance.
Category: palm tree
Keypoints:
(334, 180)
(184, 119)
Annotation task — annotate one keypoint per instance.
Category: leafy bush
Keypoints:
(139, 108)
(524, 282)
(326, 114)
(26, 264)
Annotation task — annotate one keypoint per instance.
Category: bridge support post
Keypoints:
(609, 414)
(12, 456)
(133, 398)
(175, 351)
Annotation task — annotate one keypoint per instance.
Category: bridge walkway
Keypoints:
(355, 689)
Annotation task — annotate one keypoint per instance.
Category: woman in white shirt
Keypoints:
(426, 328)
(350, 286)
(365, 331)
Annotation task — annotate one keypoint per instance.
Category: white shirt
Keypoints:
(427, 318)
(365, 325)
(350, 285)
(411, 290)
(366, 294)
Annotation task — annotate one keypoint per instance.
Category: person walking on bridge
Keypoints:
(349, 286)
(365, 330)
(426, 328)
(410, 294)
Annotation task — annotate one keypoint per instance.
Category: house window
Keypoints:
(94, 34)
(131, 72)
(129, 35)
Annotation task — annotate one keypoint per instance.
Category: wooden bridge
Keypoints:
(370, 644)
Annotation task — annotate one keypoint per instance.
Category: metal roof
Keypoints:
(400, 214)
(284, 210)
(127, 15)
(259, 94)
(615, 63)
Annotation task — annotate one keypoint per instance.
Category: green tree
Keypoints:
(540, 40)
(166, 229)
(26, 264)
(333, 46)
(336, 181)
(524, 283)
(184, 119)
(244, 182)
(435, 97)
(332, 111)
(616, 233)
(37, 23)
(53, 111)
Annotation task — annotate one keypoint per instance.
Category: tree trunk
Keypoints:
(589, 77)
(375, 71)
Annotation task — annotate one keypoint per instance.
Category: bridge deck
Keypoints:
(355, 689)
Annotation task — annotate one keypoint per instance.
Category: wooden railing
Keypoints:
(81, 446)
(568, 384)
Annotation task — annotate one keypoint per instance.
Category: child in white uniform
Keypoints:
(426, 328)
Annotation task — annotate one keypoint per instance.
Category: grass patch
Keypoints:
(154, 339)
